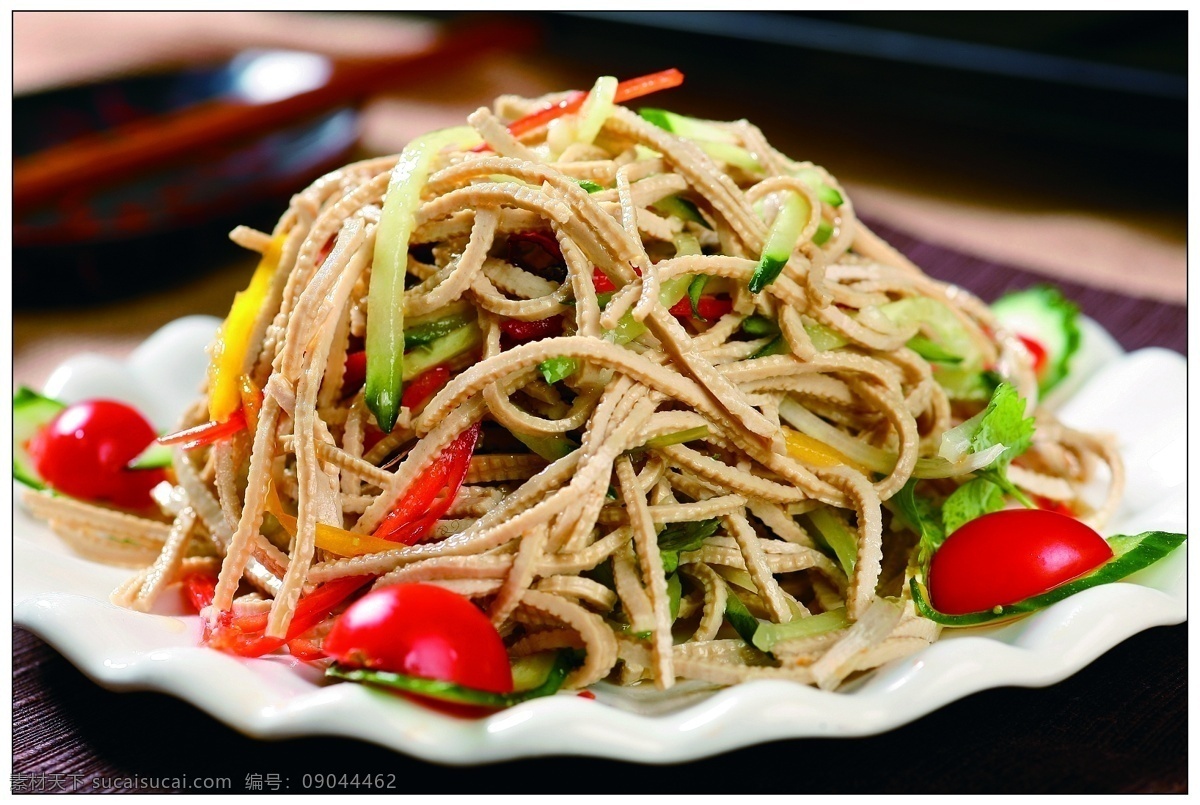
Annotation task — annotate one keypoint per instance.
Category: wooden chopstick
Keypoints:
(99, 159)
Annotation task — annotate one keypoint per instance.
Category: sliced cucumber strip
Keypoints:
(386, 360)
(686, 126)
(441, 349)
(781, 240)
(1042, 314)
(556, 369)
(740, 618)
(31, 412)
(768, 634)
(452, 692)
(155, 457)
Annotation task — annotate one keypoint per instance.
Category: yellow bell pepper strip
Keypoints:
(385, 294)
(803, 447)
(329, 538)
(229, 350)
(252, 400)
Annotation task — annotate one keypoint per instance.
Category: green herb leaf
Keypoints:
(1130, 554)
(971, 500)
(1004, 422)
(679, 537)
(589, 185)
(920, 514)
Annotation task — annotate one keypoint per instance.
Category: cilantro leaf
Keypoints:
(1004, 422)
(973, 499)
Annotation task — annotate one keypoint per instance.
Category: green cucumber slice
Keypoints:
(444, 691)
(155, 457)
(441, 349)
(695, 289)
(1044, 315)
(740, 618)
(781, 240)
(812, 177)
(768, 634)
(840, 539)
(31, 412)
(387, 364)
(823, 233)
(556, 369)
(429, 331)
(551, 448)
(686, 126)
(758, 326)
(681, 208)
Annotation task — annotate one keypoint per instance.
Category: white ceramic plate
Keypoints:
(64, 599)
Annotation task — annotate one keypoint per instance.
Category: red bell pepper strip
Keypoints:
(208, 433)
(305, 650)
(522, 331)
(430, 494)
(1053, 505)
(1037, 351)
(244, 634)
(534, 251)
(710, 307)
(199, 589)
(355, 372)
(425, 385)
(626, 91)
(601, 281)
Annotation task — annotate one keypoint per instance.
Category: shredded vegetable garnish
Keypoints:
(641, 387)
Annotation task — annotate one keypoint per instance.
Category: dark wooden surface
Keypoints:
(1119, 725)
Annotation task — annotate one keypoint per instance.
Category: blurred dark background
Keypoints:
(1050, 102)
(1046, 113)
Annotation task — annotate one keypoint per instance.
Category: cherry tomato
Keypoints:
(83, 452)
(1007, 556)
(422, 630)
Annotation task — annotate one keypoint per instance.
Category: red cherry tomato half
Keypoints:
(83, 452)
(1007, 556)
(422, 630)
